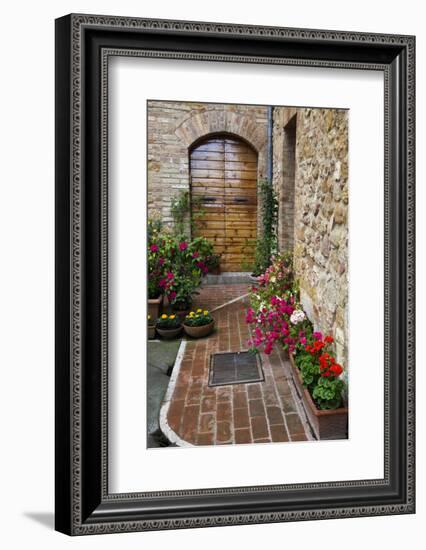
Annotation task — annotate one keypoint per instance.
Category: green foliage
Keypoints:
(266, 244)
(180, 210)
(198, 318)
(328, 393)
(168, 321)
(309, 369)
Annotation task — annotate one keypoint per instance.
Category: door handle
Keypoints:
(240, 199)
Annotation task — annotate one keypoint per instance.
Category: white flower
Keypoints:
(297, 316)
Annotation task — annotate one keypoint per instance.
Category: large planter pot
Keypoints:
(151, 332)
(328, 424)
(199, 332)
(169, 333)
(154, 307)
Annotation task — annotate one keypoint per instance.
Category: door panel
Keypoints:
(224, 198)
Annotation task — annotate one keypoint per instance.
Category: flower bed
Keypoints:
(277, 318)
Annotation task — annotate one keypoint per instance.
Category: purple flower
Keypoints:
(154, 248)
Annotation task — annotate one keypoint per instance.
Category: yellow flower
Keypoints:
(164, 316)
(199, 310)
(205, 312)
(191, 313)
(172, 316)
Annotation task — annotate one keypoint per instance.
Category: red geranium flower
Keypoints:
(329, 339)
(336, 369)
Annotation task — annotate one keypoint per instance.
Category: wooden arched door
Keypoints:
(224, 198)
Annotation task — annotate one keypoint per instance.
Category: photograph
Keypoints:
(247, 274)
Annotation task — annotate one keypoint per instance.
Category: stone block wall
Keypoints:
(311, 179)
(174, 126)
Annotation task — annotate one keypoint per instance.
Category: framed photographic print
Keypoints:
(234, 274)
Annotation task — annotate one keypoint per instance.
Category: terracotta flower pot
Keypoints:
(169, 333)
(151, 332)
(326, 424)
(154, 307)
(199, 332)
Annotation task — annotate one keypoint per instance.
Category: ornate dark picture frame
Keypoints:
(84, 44)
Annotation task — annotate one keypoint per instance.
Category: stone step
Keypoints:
(227, 278)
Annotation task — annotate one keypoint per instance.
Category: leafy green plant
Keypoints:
(213, 261)
(328, 392)
(309, 369)
(181, 210)
(168, 321)
(198, 318)
(266, 243)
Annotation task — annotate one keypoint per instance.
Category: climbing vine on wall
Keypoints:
(266, 243)
(180, 210)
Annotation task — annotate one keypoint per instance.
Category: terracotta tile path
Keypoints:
(241, 413)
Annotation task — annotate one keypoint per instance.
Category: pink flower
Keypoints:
(195, 254)
(183, 245)
(317, 335)
(170, 275)
(161, 261)
(172, 295)
(162, 283)
(154, 248)
(250, 315)
(302, 340)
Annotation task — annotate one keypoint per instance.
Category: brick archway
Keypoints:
(199, 125)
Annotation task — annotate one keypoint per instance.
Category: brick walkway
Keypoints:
(212, 296)
(241, 413)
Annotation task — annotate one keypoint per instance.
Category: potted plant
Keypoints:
(151, 328)
(169, 326)
(155, 268)
(316, 377)
(198, 324)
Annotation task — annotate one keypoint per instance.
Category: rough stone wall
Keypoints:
(174, 126)
(321, 220)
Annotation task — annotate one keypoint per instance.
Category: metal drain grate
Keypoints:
(240, 367)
